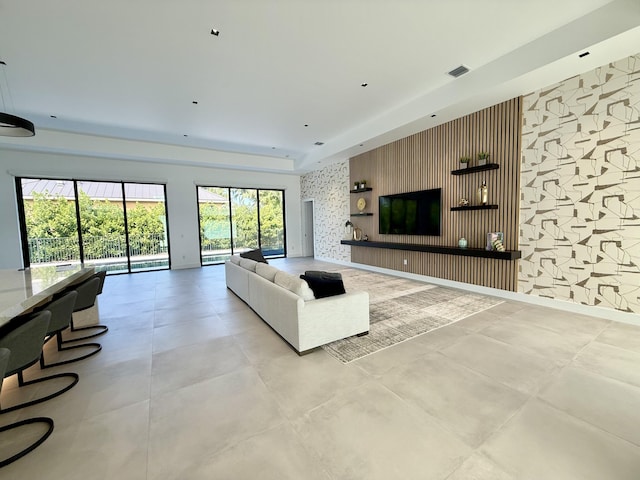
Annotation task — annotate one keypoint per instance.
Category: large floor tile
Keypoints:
(465, 402)
(275, 454)
(369, 433)
(300, 384)
(183, 366)
(608, 404)
(520, 370)
(478, 467)
(621, 335)
(542, 442)
(610, 361)
(528, 336)
(193, 423)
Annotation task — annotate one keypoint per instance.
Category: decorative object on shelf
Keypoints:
(356, 184)
(463, 202)
(483, 158)
(495, 242)
(12, 125)
(462, 243)
(483, 193)
(348, 230)
(357, 234)
(365, 238)
(363, 184)
(464, 162)
(361, 204)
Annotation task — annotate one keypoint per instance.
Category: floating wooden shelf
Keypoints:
(362, 214)
(360, 190)
(477, 168)
(464, 252)
(475, 207)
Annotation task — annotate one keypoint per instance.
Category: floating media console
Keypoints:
(465, 252)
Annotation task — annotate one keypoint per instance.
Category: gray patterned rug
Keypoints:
(401, 309)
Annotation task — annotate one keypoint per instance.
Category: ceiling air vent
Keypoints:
(319, 143)
(458, 71)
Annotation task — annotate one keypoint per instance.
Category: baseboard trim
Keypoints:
(592, 311)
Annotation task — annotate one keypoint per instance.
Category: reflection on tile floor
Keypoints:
(191, 384)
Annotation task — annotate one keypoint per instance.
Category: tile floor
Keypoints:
(191, 384)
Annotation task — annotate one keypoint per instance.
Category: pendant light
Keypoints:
(12, 125)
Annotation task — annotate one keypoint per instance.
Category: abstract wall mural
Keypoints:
(329, 189)
(580, 189)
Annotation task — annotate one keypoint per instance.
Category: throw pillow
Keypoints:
(254, 255)
(324, 284)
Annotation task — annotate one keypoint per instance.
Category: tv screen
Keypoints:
(412, 213)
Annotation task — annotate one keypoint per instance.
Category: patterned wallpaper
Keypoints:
(580, 189)
(329, 189)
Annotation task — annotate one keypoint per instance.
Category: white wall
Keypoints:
(181, 184)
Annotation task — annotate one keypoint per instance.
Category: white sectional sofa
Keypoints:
(287, 304)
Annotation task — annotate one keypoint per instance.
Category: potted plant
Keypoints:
(363, 184)
(356, 185)
(483, 158)
(464, 162)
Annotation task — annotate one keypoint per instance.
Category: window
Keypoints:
(234, 220)
(114, 226)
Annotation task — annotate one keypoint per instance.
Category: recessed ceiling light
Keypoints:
(53, 116)
(364, 84)
(273, 148)
(306, 124)
(195, 102)
(433, 115)
(215, 32)
(185, 135)
(319, 143)
(583, 54)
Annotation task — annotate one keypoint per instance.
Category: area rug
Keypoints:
(401, 309)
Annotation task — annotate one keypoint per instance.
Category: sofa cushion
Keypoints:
(324, 284)
(235, 259)
(254, 255)
(294, 284)
(248, 264)
(266, 271)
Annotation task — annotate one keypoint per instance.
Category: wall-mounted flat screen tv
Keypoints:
(412, 213)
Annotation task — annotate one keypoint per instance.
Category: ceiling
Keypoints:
(121, 77)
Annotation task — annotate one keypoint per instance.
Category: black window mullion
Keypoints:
(79, 225)
(230, 220)
(126, 228)
(259, 227)
(24, 239)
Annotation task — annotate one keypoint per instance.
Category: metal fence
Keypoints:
(51, 250)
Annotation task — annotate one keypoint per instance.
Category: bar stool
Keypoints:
(25, 339)
(88, 292)
(4, 361)
(61, 310)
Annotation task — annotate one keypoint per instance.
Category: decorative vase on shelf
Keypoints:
(483, 194)
(462, 243)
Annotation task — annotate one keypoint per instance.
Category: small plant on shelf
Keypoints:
(464, 162)
(363, 184)
(483, 158)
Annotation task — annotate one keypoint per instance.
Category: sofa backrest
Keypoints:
(266, 271)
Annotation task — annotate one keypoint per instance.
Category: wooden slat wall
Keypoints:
(425, 160)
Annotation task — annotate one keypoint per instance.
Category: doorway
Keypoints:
(307, 228)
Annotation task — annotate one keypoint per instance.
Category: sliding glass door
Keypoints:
(114, 226)
(235, 220)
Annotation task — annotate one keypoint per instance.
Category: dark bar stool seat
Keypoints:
(88, 292)
(4, 361)
(61, 310)
(24, 337)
